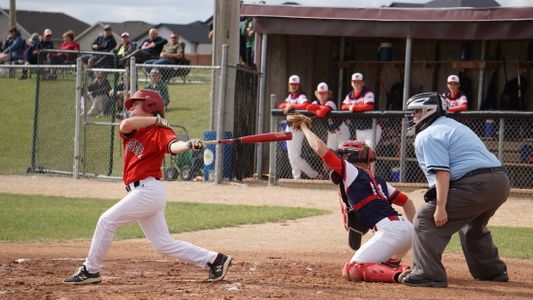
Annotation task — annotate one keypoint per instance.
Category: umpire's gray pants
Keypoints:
(472, 201)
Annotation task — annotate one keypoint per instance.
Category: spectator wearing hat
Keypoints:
(125, 47)
(360, 99)
(455, 98)
(13, 47)
(103, 43)
(297, 100)
(45, 44)
(159, 85)
(172, 52)
(68, 44)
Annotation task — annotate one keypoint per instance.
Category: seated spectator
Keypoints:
(98, 95)
(125, 47)
(118, 96)
(13, 47)
(455, 97)
(159, 85)
(361, 99)
(68, 44)
(103, 43)
(150, 48)
(30, 53)
(172, 53)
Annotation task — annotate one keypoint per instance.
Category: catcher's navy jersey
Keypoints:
(368, 195)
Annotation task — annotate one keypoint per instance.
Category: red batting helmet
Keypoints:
(357, 152)
(153, 102)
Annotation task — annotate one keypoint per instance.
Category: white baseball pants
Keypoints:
(294, 151)
(145, 204)
(391, 239)
(340, 136)
(365, 135)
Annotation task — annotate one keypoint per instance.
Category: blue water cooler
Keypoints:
(385, 52)
(210, 154)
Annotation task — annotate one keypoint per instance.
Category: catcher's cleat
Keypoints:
(218, 269)
(82, 276)
(419, 281)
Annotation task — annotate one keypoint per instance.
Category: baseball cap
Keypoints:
(47, 32)
(107, 27)
(125, 34)
(294, 79)
(357, 77)
(453, 78)
(154, 71)
(322, 87)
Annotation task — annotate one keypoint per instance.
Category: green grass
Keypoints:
(511, 241)
(29, 217)
(189, 106)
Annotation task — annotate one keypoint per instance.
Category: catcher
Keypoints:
(366, 203)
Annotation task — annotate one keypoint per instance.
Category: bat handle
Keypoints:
(211, 142)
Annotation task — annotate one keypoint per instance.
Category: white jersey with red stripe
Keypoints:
(296, 99)
(364, 97)
(456, 100)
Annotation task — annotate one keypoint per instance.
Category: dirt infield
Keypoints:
(293, 259)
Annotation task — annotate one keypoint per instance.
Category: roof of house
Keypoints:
(501, 23)
(462, 3)
(38, 21)
(196, 32)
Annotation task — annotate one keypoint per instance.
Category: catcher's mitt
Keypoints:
(296, 120)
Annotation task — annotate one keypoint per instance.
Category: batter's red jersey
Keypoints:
(144, 150)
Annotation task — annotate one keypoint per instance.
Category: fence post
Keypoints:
(77, 118)
(501, 135)
(133, 76)
(219, 157)
(261, 107)
(406, 84)
(272, 161)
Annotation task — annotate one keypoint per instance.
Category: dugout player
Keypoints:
(146, 137)
(297, 100)
(455, 98)
(467, 185)
(370, 198)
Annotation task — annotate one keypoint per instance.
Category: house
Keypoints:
(195, 35)
(134, 28)
(29, 22)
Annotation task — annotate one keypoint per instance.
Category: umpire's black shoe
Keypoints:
(419, 281)
(218, 269)
(502, 277)
(82, 276)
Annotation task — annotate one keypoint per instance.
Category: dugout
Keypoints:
(489, 47)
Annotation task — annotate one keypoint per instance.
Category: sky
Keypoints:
(176, 11)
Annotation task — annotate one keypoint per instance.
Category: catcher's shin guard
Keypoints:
(370, 272)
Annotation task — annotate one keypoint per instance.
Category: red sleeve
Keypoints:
(300, 106)
(461, 107)
(363, 107)
(333, 161)
(345, 107)
(282, 105)
(312, 107)
(167, 138)
(323, 111)
(398, 198)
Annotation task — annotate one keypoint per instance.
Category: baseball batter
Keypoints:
(146, 137)
(455, 98)
(296, 100)
(362, 99)
(369, 199)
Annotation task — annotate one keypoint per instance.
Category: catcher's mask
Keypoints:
(356, 152)
(153, 102)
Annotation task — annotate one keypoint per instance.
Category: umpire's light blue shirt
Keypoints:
(447, 145)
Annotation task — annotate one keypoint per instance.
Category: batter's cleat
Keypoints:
(218, 269)
(82, 276)
(419, 281)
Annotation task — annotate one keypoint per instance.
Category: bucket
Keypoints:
(385, 52)
(395, 175)
(490, 128)
(526, 154)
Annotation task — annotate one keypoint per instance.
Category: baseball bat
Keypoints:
(255, 138)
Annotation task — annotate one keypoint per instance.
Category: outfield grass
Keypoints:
(28, 217)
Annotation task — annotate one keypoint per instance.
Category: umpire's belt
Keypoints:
(135, 184)
(482, 171)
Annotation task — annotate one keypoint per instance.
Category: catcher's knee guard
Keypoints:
(371, 272)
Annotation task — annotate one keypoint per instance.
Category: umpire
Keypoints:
(467, 185)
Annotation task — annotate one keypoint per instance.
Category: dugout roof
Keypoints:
(500, 23)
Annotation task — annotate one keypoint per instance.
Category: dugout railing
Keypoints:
(509, 135)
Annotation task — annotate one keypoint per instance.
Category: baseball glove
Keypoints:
(296, 120)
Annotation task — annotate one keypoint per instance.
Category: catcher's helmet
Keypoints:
(153, 102)
(432, 105)
(357, 152)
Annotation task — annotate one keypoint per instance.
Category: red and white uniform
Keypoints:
(457, 102)
(363, 101)
(294, 146)
(144, 152)
(371, 197)
(338, 131)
